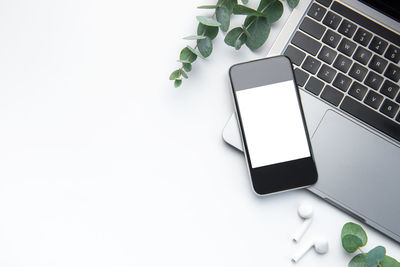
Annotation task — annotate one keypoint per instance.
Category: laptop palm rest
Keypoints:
(358, 170)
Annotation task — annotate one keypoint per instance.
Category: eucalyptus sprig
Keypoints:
(253, 32)
(354, 238)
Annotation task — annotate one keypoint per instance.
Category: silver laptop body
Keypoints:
(358, 164)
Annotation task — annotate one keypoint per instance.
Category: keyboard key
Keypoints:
(306, 43)
(389, 89)
(311, 64)
(393, 54)
(373, 99)
(326, 54)
(347, 47)
(332, 95)
(312, 28)
(301, 77)
(342, 82)
(316, 11)
(326, 3)
(358, 72)
(365, 22)
(398, 99)
(347, 28)
(378, 64)
(295, 55)
(331, 38)
(358, 90)
(378, 45)
(371, 117)
(332, 20)
(393, 72)
(373, 80)
(362, 36)
(362, 55)
(342, 63)
(389, 108)
(326, 73)
(398, 117)
(314, 86)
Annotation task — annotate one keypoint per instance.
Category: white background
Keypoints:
(104, 163)
(272, 124)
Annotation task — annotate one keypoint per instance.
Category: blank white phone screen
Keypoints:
(272, 124)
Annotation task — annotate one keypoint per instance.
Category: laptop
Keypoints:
(346, 59)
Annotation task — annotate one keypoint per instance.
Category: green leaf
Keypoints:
(293, 3)
(208, 21)
(195, 52)
(175, 74)
(184, 74)
(358, 261)
(187, 67)
(390, 262)
(224, 17)
(375, 256)
(177, 83)
(245, 1)
(194, 37)
(355, 229)
(229, 4)
(208, 31)
(187, 55)
(273, 9)
(208, 7)
(257, 31)
(205, 46)
(244, 10)
(351, 243)
(235, 38)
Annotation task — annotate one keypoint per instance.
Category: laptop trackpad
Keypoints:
(358, 169)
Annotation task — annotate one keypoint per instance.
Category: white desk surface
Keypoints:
(104, 163)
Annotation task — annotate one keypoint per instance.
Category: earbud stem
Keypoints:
(301, 231)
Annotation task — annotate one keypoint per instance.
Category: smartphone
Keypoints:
(274, 134)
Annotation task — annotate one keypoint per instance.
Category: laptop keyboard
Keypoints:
(351, 62)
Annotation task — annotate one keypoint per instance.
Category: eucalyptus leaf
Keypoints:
(194, 37)
(187, 67)
(235, 38)
(175, 75)
(375, 256)
(245, 1)
(187, 55)
(293, 3)
(184, 75)
(390, 262)
(208, 7)
(244, 10)
(205, 47)
(223, 16)
(229, 4)
(177, 83)
(208, 21)
(273, 9)
(257, 31)
(351, 243)
(195, 52)
(208, 31)
(354, 229)
(358, 261)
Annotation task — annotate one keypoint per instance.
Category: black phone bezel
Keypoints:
(281, 176)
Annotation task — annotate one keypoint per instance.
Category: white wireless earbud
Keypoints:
(306, 212)
(321, 247)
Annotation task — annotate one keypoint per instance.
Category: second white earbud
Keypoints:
(306, 212)
(321, 247)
